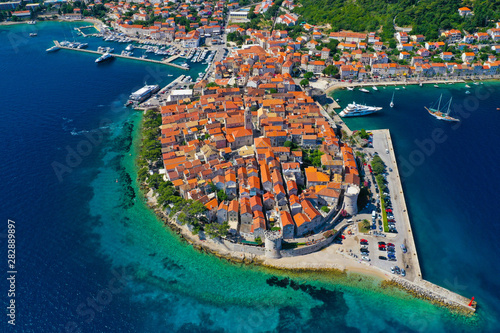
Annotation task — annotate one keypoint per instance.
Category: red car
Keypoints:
(370, 168)
(364, 240)
(388, 210)
(390, 244)
(381, 246)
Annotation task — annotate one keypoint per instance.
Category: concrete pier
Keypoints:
(122, 56)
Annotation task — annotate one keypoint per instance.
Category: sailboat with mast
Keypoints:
(392, 100)
(442, 115)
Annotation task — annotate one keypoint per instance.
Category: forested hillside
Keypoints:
(425, 16)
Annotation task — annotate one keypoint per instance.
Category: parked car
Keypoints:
(365, 258)
(381, 243)
(403, 247)
(391, 244)
(382, 258)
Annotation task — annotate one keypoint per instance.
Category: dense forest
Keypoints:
(425, 16)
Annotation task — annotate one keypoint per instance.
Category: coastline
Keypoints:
(329, 88)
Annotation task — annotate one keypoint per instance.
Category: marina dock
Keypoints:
(125, 57)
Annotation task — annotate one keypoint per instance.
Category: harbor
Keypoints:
(167, 62)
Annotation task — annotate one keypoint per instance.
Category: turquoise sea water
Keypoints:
(91, 256)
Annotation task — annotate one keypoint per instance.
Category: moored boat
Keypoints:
(364, 90)
(439, 114)
(104, 57)
(353, 110)
(53, 49)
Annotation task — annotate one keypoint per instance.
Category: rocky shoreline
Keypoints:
(426, 294)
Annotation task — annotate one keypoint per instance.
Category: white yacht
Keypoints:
(53, 49)
(354, 110)
(104, 57)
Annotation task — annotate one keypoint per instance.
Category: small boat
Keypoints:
(350, 88)
(397, 88)
(476, 83)
(436, 86)
(438, 114)
(374, 88)
(467, 92)
(392, 100)
(129, 47)
(169, 75)
(420, 84)
(33, 34)
(467, 86)
(364, 90)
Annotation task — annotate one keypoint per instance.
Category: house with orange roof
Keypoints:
(279, 194)
(255, 203)
(446, 56)
(212, 206)
(303, 224)
(287, 225)
(239, 138)
(265, 176)
(292, 187)
(468, 56)
(258, 224)
(230, 183)
(465, 11)
(328, 196)
(222, 213)
(268, 200)
(312, 213)
(254, 185)
(315, 177)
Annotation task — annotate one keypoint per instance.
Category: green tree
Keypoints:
(331, 70)
(221, 195)
(308, 75)
(304, 82)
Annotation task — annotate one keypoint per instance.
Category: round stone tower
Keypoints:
(273, 244)
(351, 200)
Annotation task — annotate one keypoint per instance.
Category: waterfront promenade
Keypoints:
(125, 57)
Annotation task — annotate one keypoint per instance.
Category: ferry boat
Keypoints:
(104, 57)
(353, 110)
(53, 49)
(438, 114)
(144, 93)
(364, 90)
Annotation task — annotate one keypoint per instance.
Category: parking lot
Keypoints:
(403, 260)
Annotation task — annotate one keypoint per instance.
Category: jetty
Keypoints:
(166, 62)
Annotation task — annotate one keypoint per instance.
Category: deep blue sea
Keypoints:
(90, 257)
